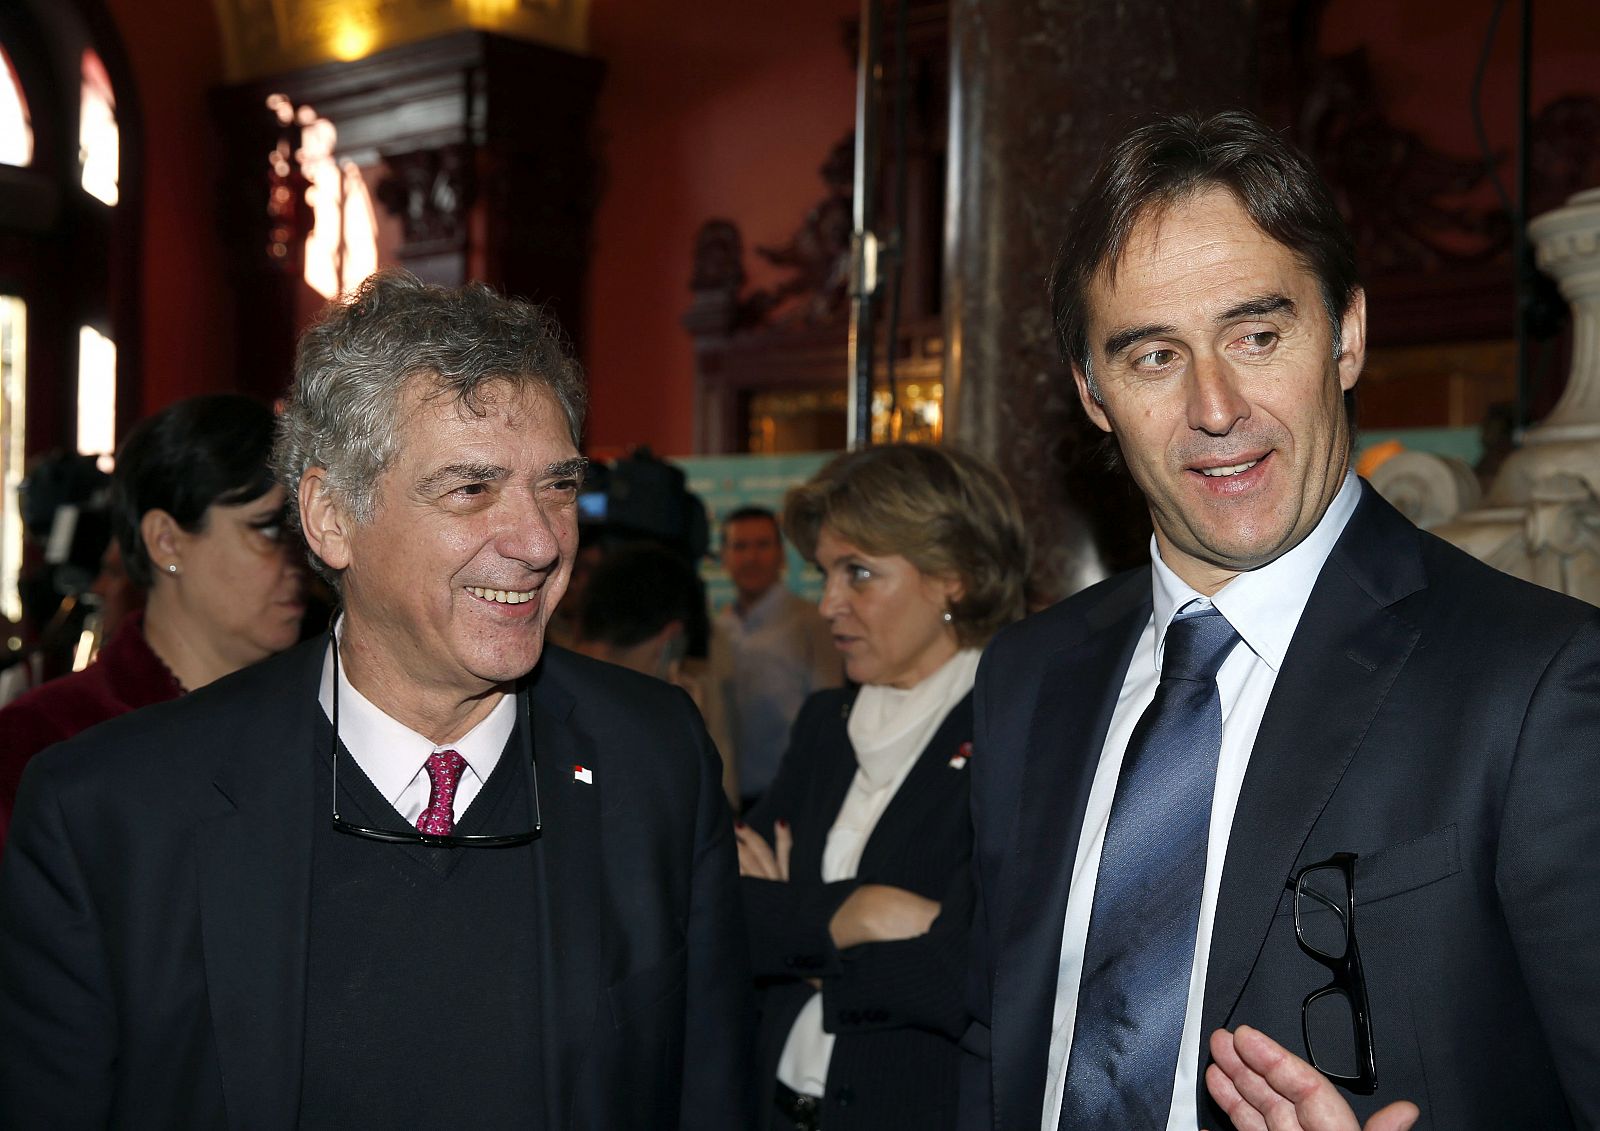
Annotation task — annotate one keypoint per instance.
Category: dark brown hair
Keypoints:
(1172, 158)
(947, 512)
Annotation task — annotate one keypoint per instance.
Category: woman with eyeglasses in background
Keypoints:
(198, 519)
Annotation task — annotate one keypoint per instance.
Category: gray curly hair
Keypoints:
(354, 363)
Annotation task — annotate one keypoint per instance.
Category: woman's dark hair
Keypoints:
(186, 458)
(944, 510)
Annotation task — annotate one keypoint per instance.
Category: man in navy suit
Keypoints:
(1309, 747)
(426, 873)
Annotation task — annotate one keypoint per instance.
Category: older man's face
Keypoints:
(450, 584)
(1214, 360)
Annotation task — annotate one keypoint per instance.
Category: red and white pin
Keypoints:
(583, 774)
(961, 756)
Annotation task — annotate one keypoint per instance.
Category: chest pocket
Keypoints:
(1399, 868)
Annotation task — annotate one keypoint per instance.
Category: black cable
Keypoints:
(1476, 108)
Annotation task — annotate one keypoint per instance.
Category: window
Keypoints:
(98, 142)
(342, 247)
(16, 130)
(13, 409)
(97, 394)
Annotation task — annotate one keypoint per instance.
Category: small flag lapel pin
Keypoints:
(583, 774)
(960, 760)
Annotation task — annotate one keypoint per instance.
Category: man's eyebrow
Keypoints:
(576, 467)
(461, 473)
(1122, 339)
(1258, 307)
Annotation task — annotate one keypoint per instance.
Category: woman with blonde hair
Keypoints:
(855, 863)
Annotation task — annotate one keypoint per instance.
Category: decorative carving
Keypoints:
(1426, 488)
(1562, 152)
(1395, 189)
(431, 191)
(817, 257)
(718, 257)
(818, 253)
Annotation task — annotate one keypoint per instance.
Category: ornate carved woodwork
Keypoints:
(480, 145)
(430, 190)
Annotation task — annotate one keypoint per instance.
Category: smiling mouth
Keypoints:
(503, 596)
(1229, 470)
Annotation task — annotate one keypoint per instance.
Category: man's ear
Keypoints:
(325, 523)
(1091, 404)
(163, 541)
(1353, 341)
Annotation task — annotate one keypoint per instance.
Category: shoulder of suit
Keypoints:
(1467, 586)
(249, 708)
(1047, 627)
(612, 695)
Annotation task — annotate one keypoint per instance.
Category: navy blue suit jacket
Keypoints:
(1433, 715)
(155, 892)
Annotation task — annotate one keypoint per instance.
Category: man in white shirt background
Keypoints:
(770, 650)
(1296, 823)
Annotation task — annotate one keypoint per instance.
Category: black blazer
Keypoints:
(1435, 716)
(896, 1007)
(154, 911)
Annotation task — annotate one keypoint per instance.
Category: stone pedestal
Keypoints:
(1541, 519)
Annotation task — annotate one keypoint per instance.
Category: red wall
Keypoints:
(175, 52)
(717, 109)
(1424, 54)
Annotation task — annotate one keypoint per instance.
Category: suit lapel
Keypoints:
(254, 864)
(1078, 692)
(1346, 654)
(896, 828)
(836, 769)
(571, 885)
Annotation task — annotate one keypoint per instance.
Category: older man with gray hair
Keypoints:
(424, 872)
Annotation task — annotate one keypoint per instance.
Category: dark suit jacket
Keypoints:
(896, 1007)
(154, 911)
(1433, 715)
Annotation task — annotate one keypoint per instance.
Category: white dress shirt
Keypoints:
(394, 757)
(1264, 607)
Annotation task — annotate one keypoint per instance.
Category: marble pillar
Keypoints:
(1037, 89)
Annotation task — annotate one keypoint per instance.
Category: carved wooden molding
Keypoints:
(430, 190)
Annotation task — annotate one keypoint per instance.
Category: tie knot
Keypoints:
(1196, 646)
(444, 769)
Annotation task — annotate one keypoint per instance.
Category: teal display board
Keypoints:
(1463, 443)
(726, 483)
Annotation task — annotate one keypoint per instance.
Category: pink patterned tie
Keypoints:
(444, 772)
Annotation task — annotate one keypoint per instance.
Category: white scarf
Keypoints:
(889, 729)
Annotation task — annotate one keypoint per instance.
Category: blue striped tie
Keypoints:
(1139, 954)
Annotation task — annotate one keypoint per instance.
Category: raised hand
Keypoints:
(1265, 1087)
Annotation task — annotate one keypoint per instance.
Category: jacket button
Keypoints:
(844, 1097)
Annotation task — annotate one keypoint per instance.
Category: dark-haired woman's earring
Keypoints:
(172, 567)
(947, 617)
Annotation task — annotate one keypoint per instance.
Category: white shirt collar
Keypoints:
(1263, 605)
(390, 753)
